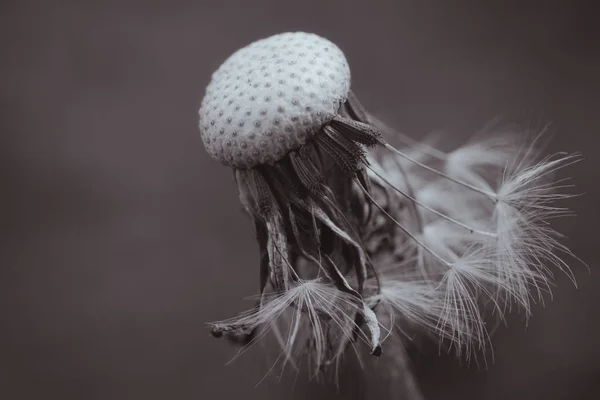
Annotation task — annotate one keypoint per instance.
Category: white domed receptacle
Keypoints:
(271, 96)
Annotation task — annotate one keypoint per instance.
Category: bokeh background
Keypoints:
(121, 238)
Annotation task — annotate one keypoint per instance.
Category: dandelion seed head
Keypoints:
(360, 240)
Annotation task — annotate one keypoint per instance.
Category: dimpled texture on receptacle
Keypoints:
(271, 96)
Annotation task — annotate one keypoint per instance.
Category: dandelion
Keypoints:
(360, 239)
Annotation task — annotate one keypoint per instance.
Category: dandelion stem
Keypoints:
(392, 377)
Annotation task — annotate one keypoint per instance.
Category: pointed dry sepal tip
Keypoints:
(372, 324)
(377, 352)
(271, 97)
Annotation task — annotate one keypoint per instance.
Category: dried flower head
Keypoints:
(354, 231)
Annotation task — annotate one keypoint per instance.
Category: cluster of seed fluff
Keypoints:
(271, 96)
(360, 238)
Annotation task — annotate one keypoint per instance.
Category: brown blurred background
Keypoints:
(121, 237)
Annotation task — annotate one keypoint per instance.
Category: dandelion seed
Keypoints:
(360, 239)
